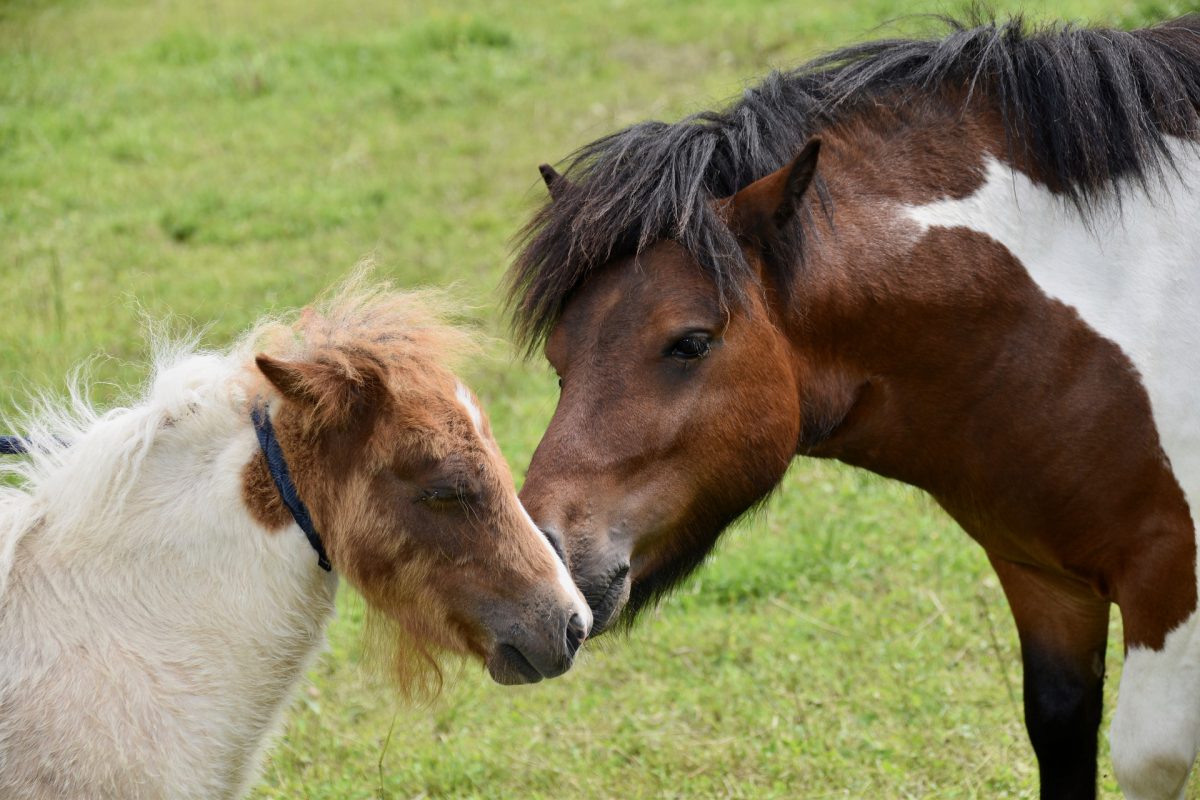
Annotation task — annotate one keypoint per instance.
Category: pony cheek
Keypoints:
(756, 447)
(386, 570)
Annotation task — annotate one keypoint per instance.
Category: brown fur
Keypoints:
(367, 416)
(937, 361)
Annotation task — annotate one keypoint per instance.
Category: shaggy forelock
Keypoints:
(364, 319)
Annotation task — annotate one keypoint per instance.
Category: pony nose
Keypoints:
(576, 633)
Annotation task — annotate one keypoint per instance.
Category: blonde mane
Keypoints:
(360, 317)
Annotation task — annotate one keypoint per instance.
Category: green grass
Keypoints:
(220, 159)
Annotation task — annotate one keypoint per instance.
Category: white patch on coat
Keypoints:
(1155, 733)
(1132, 272)
(560, 570)
(564, 578)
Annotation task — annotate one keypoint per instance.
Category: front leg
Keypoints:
(1156, 726)
(1063, 628)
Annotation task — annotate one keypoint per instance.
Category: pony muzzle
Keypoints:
(527, 655)
(607, 596)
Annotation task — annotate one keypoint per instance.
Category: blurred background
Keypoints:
(215, 160)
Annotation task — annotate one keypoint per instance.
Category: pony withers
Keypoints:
(167, 569)
(969, 263)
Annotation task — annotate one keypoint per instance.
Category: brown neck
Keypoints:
(939, 362)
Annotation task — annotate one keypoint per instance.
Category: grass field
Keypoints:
(219, 159)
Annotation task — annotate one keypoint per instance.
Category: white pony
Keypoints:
(159, 601)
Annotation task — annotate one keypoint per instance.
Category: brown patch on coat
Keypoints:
(261, 497)
(365, 410)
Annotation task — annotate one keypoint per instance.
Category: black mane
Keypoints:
(1086, 106)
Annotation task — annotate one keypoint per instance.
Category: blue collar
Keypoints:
(277, 466)
(13, 446)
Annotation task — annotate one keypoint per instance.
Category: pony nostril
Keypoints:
(576, 633)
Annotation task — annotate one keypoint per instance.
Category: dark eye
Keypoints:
(443, 496)
(555, 545)
(691, 347)
(560, 381)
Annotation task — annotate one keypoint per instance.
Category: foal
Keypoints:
(167, 569)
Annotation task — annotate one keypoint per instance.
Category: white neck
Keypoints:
(150, 630)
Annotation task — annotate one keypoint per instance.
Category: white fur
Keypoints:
(150, 630)
(467, 401)
(560, 570)
(1132, 272)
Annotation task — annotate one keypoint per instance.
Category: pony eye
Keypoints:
(560, 381)
(556, 546)
(443, 495)
(691, 347)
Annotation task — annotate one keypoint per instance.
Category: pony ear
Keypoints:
(334, 390)
(761, 209)
(555, 183)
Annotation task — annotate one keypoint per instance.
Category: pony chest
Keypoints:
(1130, 270)
(187, 699)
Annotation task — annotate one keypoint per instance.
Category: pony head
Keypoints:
(407, 488)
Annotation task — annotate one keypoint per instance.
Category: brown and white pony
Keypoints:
(969, 263)
(165, 568)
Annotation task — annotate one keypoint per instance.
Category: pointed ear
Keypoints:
(286, 376)
(761, 209)
(555, 183)
(333, 390)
